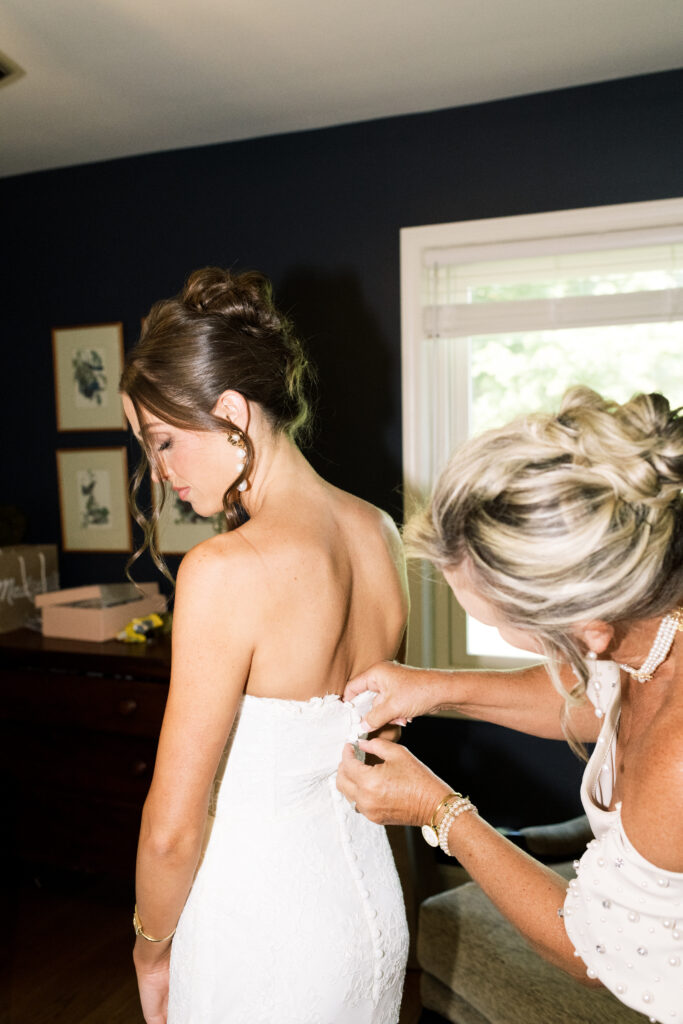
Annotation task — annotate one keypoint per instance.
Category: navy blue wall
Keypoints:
(320, 213)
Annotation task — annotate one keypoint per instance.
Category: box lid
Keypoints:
(104, 594)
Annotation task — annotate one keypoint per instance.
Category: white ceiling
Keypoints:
(111, 78)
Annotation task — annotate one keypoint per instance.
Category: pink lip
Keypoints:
(182, 492)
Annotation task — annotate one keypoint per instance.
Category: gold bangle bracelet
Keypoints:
(446, 800)
(137, 925)
(430, 833)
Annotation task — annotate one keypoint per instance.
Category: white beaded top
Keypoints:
(623, 914)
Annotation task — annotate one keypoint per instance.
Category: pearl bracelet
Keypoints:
(461, 807)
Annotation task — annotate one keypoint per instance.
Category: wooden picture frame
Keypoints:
(88, 361)
(93, 499)
(179, 527)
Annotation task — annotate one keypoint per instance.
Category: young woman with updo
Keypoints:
(261, 895)
(566, 533)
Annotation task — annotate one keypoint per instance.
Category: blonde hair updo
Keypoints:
(565, 519)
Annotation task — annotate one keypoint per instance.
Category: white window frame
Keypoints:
(435, 381)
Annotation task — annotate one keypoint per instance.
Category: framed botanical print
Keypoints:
(87, 365)
(180, 528)
(93, 498)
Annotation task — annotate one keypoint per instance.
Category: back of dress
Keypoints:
(296, 914)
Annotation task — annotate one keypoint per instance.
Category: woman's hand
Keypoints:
(399, 790)
(153, 979)
(391, 732)
(403, 693)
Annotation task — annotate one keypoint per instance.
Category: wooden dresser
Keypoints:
(79, 727)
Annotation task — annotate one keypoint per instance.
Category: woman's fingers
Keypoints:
(400, 790)
(382, 713)
(349, 755)
(402, 693)
(379, 747)
(359, 684)
(390, 732)
(349, 773)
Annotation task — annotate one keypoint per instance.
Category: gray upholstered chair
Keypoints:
(478, 970)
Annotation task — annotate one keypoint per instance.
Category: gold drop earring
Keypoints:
(237, 442)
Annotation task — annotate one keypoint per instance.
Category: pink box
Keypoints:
(99, 611)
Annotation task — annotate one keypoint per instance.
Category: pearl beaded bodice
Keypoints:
(623, 914)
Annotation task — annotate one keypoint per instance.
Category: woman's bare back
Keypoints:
(329, 591)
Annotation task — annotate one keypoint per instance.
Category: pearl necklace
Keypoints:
(668, 628)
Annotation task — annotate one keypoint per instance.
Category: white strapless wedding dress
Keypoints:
(296, 914)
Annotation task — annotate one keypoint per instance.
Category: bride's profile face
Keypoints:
(198, 465)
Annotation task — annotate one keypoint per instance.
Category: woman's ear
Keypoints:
(596, 634)
(233, 406)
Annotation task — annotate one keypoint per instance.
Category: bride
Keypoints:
(262, 897)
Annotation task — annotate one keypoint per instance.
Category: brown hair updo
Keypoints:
(221, 332)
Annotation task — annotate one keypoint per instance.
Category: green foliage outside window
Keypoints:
(513, 374)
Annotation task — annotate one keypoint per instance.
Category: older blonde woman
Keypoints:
(565, 533)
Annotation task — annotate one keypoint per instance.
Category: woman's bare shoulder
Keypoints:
(224, 562)
(363, 513)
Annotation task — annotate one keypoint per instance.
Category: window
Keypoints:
(499, 317)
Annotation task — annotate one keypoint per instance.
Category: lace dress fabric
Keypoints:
(623, 914)
(296, 913)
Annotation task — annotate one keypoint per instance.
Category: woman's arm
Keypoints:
(213, 637)
(523, 699)
(401, 790)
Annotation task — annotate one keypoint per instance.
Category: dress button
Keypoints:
(358, 873)
(377, 932)
(372, 912)
(379, 973)
(379, 953)
(365, 894)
